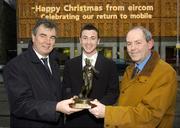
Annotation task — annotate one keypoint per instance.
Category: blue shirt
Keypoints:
(143, 63)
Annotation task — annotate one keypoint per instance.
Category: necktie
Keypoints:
(135, 72)
(45, 63)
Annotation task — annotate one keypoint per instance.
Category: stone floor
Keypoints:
(4, 110)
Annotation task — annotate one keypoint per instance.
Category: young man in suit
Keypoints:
(33, 83)
(148, 97)
(105, 86)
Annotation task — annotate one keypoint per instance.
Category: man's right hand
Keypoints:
(64, 107)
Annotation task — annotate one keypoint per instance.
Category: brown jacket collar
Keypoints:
(150, 65)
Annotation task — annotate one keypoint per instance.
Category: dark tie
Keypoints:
(135, 72)
(45, 63)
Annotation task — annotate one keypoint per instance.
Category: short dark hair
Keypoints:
(89, 26)
(47, 23)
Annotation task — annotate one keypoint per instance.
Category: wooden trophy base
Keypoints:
(82, 103)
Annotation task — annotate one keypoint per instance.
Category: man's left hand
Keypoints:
(99, 110)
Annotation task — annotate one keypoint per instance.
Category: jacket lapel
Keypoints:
(41, 73)
(143, 75)
(99, 65)
(78, 69)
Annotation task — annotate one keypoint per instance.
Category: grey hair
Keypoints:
(146, 32)
(47, 23)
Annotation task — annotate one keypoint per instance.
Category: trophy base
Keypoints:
(82, 103)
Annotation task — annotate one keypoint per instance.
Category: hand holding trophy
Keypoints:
(82, 101)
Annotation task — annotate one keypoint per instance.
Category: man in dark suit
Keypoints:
(32, 80)
(105, 85)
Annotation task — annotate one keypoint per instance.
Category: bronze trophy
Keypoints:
(82, 101)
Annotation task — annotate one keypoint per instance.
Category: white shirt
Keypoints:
(93, 59)
(40, 57)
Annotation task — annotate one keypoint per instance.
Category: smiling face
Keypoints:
(44, 40)
(137, 46)
(89, 41)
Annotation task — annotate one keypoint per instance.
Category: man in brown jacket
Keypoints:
(147, 96)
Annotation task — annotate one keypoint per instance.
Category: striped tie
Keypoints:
(135, 72)
(45, 63)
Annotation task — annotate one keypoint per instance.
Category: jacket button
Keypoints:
(107, 125)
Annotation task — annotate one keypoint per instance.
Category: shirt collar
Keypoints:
(143, 63)
(92, 58)
(40, 56)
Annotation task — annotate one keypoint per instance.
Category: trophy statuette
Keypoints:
(82, 101)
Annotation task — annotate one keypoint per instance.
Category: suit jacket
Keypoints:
(148, 100)
(33, 91)
(105, 88)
